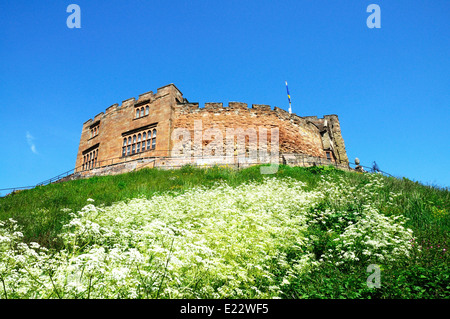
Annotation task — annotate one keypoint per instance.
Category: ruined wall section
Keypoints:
(119, 119)
(335, 127)
(296, 135)
(330, 131)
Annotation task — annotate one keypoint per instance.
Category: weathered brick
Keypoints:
(168, 110)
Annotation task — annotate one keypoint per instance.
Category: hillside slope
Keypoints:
(221, 233)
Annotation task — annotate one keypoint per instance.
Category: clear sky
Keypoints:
(390, 86)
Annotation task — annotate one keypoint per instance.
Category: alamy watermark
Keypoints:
(74, 19)
(374, 20)
(234, 146)
(374, 279)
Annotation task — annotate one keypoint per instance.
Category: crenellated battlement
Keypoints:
(147, 97)
(310, 134)
(255, 109)
(183, 106)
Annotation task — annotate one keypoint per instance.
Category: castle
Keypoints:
(139, 133)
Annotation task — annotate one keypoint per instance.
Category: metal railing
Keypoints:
(369, 169)
(310, 161)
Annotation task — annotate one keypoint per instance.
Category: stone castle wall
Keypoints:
(102, 137)
(117, 120)
(296, 135)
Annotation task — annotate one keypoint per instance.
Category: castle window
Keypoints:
(137, 113)
(154, 139)
(330, 155)
(138, 146)
(146, 110)
(139, 140)
(90, 159)
(93, 131)
(149, 139)
(142, 112)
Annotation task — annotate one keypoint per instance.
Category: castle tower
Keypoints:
(126, 134)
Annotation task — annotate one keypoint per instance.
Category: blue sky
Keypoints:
(390, 86)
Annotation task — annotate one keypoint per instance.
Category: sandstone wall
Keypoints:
(296, 135)
(118, 120)
(168, 110)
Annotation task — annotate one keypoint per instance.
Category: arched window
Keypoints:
(125, 142)
(138, 146)
(149, 139)
(154, 139)
(129, 140)
(142, 111)
(146, 110)
(137, 113)
(134, 139)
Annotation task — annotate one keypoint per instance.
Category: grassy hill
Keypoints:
(222, 233)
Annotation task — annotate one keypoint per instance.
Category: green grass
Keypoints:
(427, 209)
(39, 209)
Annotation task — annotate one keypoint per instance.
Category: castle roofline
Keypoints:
(171, 84)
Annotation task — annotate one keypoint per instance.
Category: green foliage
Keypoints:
(310, 238)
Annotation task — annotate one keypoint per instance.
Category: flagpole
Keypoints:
(289, 98)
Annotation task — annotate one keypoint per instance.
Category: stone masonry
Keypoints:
(105, 140)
